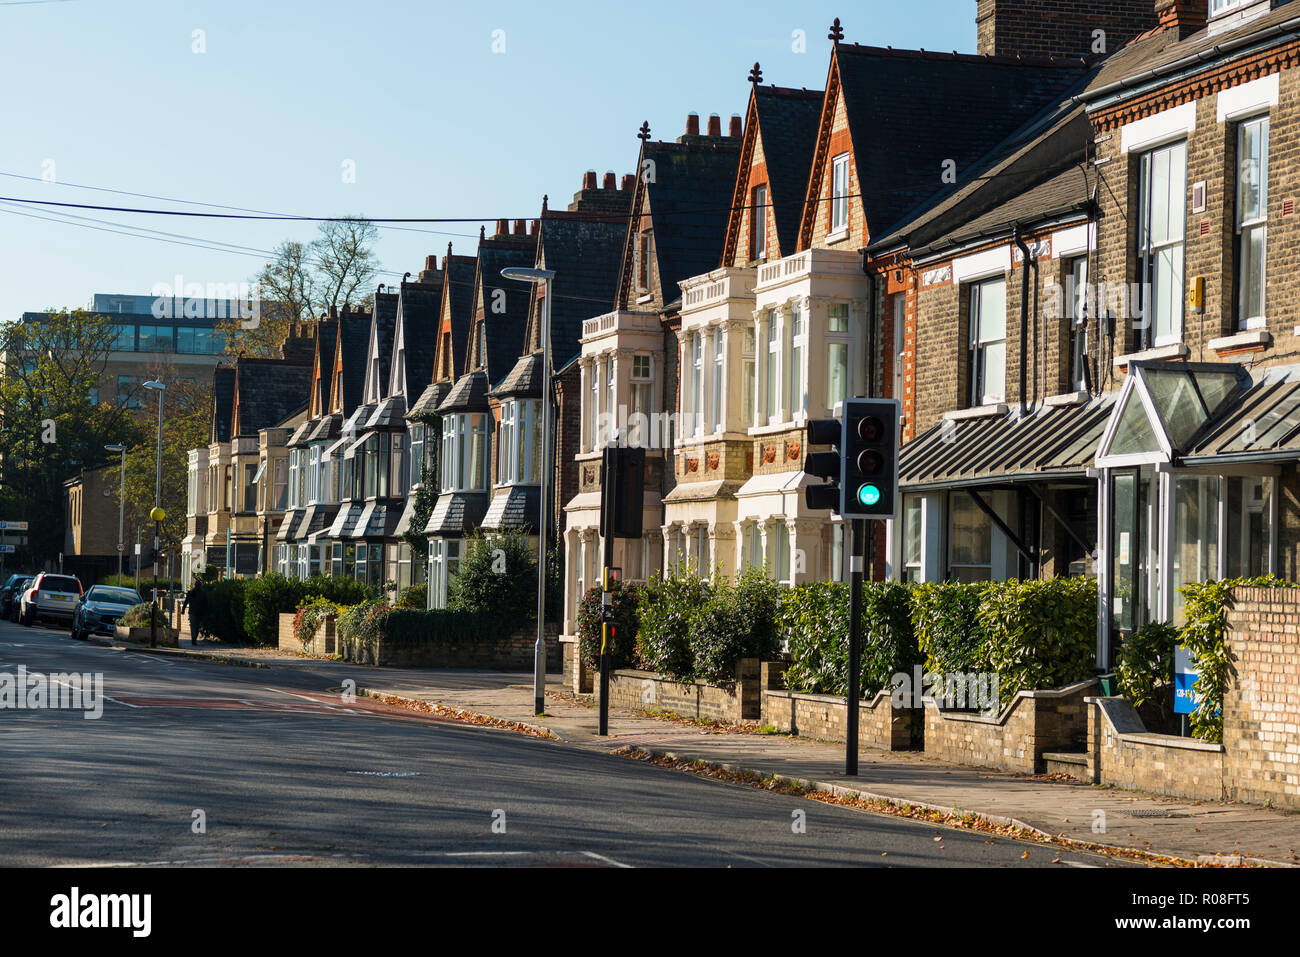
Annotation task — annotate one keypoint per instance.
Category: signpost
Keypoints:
(1185, 675)
(8, 549)
(13, 526)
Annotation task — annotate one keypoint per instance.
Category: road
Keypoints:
(279, 769)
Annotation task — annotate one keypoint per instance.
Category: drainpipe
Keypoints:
(1024, 313)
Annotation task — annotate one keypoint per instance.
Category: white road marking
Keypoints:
(610, 861)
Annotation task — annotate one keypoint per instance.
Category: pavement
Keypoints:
(1214, 833)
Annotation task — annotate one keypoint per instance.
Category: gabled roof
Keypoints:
(267, 391)
(505, 328)
(783, 123)
(429, 400)
(417, 318)
(383, 322)
(910, 112)
(327, 334)
(688, 200)
(456, 310)
(354, 336)
(525, 379)
(223, 402)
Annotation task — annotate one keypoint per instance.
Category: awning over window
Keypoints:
(1263, 424)
(1050, 443)
(336, 450)
(351, 450)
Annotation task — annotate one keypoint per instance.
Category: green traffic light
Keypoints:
(868, 494)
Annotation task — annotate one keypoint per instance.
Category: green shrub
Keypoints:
(1041, 634)
(815, 620)
(365, 622)
(510, 592)
(948, 633)
(309, 617)
(735, 621)
(146, 583)
(137, 616)
(623, 652)
(265, 599)
(341, 591)
(1205, 611)
(416, 597)
(1144, 667)
(223, 618)
(664, 614)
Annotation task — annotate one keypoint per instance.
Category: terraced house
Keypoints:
(1099, 363)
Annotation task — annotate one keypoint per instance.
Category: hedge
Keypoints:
(623, 651)
(815, 623)
(411, 625)
(246, 610)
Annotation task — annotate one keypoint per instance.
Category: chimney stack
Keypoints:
(334, 311)
(629, 182)
(503, 227)
(610, 181)
(737, 126)
(589, 179)
(692, 124)
(534, 226)
(1017, 28)
(1185, 16)
(521, 229)
(431, 263)
(715, 125)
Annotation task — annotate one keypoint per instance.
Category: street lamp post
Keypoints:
(544, 276)
(157, 513)
(121, 508)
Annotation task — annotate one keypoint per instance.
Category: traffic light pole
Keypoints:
(855, 642)
(606, 603)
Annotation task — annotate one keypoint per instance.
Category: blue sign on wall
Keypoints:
(1185, 675)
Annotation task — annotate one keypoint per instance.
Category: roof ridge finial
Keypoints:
(644, 133)
(448, 252)
(756, 74)
(545, 200)
(482, 233)
(837, 32)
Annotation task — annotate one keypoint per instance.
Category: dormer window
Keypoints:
(758, 224)
(643, 261)
(840, 193)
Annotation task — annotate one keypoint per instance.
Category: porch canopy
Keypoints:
(1052, 443)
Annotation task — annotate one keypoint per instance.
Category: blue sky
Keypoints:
(110, 93)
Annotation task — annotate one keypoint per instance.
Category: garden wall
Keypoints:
(634, 690)
(322, 643)
(880, 725)
(514, 653)
(1123, 754)
(1032, 723)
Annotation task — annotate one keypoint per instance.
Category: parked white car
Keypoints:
(49, 596)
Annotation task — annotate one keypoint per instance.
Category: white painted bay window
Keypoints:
(837, 354)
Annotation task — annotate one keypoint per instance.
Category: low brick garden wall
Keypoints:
(322, 643)
(577, 676)
(1123, 754)
(880, 725)
(634, 690)
(1015, 739)
(514, 653)
(164, 636)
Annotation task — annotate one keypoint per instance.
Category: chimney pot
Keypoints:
(431, 263)
(737, 126)
(692, 124)
(610, 181)
(715, 125)
(520, 228)
(629, 181)
(589, 179)
(334, 311)
(503, 227)
(533, 227)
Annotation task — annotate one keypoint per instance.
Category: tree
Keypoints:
(52, 424)
(285, 290)
(344, 261)
(187, 419)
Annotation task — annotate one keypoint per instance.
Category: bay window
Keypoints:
(697, 383)
(798, 343)
(641, 385)
(837, 354)
(772, 360)
(719, 363)
(417, 454)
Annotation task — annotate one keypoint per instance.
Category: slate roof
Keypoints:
(419, 306)
(505, 330)
(299, 437)
(223, 401)
(525, 379)
(430, 399)
(513, 506)
(390, 414)
(384, 320)
(327, 333)
(690, 201)
(288, 530)
(456, 514)
(268, 392)
(469, 394)
(325, 428)
(955, 107)
(787, 126)
(318, 519)
(377, 520)
(586, 256)
(355, 332)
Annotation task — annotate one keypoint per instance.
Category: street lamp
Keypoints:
(157, 513)
(544, 276)
(121, 507)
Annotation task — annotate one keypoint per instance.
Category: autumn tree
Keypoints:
(52, 424)
(346, 266)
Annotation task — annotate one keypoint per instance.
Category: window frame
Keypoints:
(1242, 228)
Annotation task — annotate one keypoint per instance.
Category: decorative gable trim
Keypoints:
(820, 155)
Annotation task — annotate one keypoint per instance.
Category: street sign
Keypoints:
(121, 547)
(13, 526)
(1185, 675)
(137, 548)
(8, 549)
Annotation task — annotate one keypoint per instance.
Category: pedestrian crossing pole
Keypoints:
(855, 642)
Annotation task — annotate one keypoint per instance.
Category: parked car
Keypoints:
(10, 593)
(97, 611)
(50, 595)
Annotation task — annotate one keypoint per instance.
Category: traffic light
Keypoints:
(622, 483)
(869, 459)
(825, 465)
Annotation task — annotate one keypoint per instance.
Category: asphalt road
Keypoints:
(280, 770)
